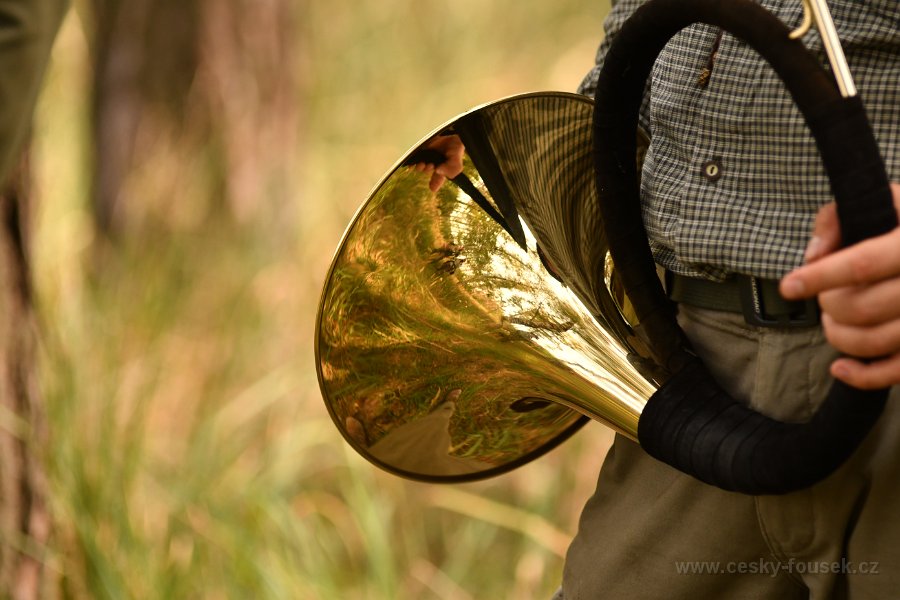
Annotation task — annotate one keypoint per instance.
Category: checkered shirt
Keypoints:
(732, 180)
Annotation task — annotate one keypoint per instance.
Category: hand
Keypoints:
(859, 293)
(453, 150)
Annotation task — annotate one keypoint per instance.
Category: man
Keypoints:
(732, 185)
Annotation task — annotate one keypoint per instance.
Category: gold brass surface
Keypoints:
(465, 331)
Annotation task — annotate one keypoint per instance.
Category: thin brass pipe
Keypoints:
(816, 12)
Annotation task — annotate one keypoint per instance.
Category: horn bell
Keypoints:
(468, 326)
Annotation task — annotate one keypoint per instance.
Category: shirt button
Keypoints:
(712, 169)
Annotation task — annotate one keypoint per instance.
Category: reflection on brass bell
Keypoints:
(466, 331)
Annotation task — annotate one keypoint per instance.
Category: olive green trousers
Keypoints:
(652, 532)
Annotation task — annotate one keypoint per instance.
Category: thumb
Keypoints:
(826, 235)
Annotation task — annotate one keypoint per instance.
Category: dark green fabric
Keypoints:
(726, 295)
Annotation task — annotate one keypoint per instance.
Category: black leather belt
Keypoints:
(757, 299)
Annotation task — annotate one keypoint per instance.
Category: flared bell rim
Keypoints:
(566, 433)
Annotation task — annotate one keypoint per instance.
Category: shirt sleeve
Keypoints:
(621, 11)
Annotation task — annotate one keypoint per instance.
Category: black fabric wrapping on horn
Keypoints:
(691, 423)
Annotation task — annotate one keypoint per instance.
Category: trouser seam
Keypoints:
(774, 547)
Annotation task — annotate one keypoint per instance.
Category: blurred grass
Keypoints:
(191, 455)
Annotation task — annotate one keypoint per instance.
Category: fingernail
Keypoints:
(813, 249)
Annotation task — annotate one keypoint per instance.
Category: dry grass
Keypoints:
(191, 455)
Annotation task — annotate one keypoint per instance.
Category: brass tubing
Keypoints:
(816, 11)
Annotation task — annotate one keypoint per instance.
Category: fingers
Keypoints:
(454, 164)
(453, 151)
(859, 293)
(451, 168)
(452, 148)
(867, 376)
(866, 305)
(867, 262)
(826, 235)
(437, 180)
(863, 341)
(864, 263)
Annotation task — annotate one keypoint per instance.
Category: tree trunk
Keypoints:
(27, 30)
(24, 518)
(116, 108)
(193, 78)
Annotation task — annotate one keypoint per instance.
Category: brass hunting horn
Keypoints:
(468, 328)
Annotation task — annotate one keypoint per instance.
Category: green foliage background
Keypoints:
(191, 455)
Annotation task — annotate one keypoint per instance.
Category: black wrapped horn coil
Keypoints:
(690, 423)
